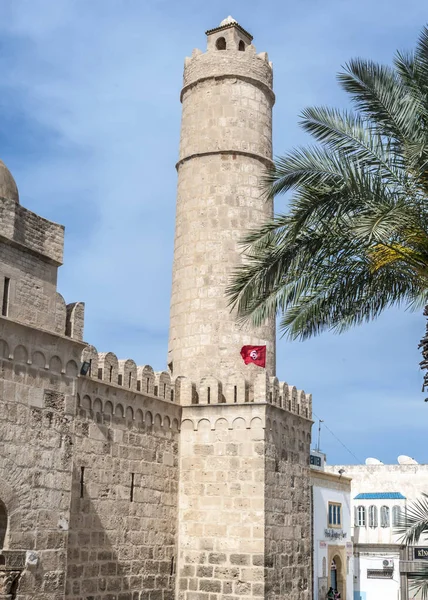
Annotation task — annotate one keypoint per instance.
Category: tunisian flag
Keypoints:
(255, 355)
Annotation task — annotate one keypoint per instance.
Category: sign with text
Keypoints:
(315, 460)
(335, 534)
(421, 553)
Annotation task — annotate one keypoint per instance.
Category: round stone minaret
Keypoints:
(225, 148)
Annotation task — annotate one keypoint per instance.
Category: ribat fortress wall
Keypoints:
(121, 483)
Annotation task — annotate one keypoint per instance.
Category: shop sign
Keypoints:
(421, 553)
(335, 534)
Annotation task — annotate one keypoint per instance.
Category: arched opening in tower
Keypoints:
(220, 44)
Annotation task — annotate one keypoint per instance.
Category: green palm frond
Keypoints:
(419, 583)
(421, 57)
(312, 166)
(349, 134)
(355, 238)
(332, 307)
(412, 526)
(414, 523)
(379, 95)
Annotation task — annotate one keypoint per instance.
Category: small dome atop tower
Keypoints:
(8, 187)
(229, 35)
(228, 21)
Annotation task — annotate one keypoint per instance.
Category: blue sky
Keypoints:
(89, 126)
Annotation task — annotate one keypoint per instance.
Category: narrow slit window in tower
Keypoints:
(3, 523)
(138, 385)
(119, 379)
(100, 373)
(82, 481)
(209, 396)
(147, 385)
(241, 46)
(129, 380)
(235, 394)
(5, 305)
(131, 495)
(164, 390)
(172, 395)
(220, 44)
(111, 373)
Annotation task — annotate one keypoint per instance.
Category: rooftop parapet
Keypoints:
(106, 367)
(21, 227)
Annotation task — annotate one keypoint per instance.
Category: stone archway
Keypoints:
(337, 569)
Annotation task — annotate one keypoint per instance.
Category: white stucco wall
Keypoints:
(376, 535)
(409, 480)
(323, 493)
(376, 589)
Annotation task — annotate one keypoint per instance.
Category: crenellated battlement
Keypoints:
(230, 53)
(237, 390)
(248, 66)
(105, 366)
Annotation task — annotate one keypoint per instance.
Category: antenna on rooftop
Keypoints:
(318, 448)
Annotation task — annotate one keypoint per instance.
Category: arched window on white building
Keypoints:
(360, 516)
(396, 516)
(384, 516)
(373, 516)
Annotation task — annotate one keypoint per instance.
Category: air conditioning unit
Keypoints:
(388, 563)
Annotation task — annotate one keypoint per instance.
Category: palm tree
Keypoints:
(413, 525)
(355, 238)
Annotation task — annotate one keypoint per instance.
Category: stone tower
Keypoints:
(225, 147)
(244, 496)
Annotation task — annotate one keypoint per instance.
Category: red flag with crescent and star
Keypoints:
(255, 355)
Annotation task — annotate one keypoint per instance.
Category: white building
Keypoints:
(379, 495)
(331, 526)
(377, 547)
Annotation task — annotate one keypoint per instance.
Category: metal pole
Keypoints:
(318, 448)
